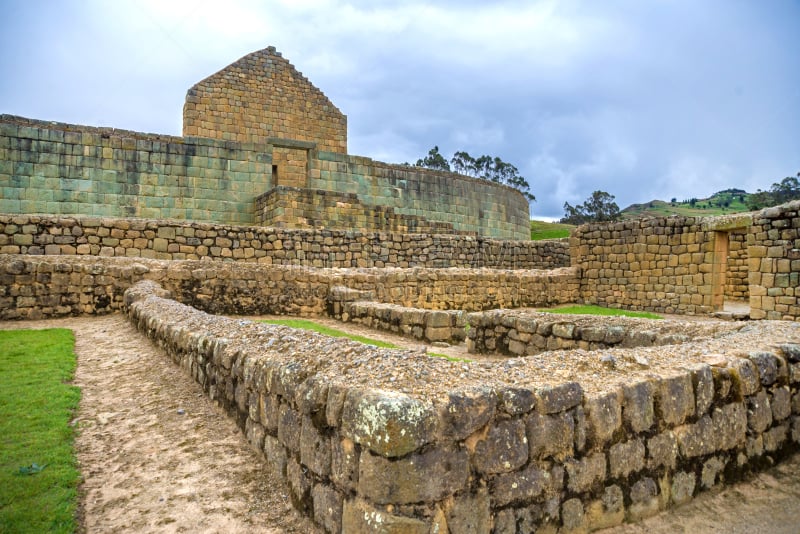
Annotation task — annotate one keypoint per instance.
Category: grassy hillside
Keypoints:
(720, 203)
(547, 230)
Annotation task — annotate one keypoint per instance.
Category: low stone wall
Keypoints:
(736, 276)
(445, 326)
(774, 263)
(523, 332)
(375, 440)
(35, 287)
(178, 240)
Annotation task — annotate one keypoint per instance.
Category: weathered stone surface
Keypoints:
(675, 399)
(327, 503)
(703, 381)
(503, 449)
(626, 458)
(558, 398)
(767, 364)
(470, 513)
(275, 454)
(781, 402)
(299, 484)
(564, 330)
(775, 437)
(429, 476)
(465, 412)
(358, 517)
(584, 473)
(388, 423)
(637, 406)
(746, 375)
(711, 470)
(516, 401)
(255, 434)
(682, 487)
(269, 411)
(604, 417)
(505, 522)
(644, 499)
(662, 450)
(344, 463)
(289, 423)
(525, 485)
(572, 515)
(759, 412)
(315, 448)
(551, 435)
(608, 511)
(723, 430)
(334, 404)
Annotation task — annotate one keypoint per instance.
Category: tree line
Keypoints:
(780, 192)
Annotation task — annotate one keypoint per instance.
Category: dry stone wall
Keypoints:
(177, 240)
(35, 287)
(774, 263)
(485, 450)
(736, 281)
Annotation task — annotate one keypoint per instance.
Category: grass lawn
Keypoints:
(36, 405)
(305, 324)
(598, 310)
(546, 230)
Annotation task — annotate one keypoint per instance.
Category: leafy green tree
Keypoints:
(600, 207)
(485, 167)
(434, 160)
(781, 192)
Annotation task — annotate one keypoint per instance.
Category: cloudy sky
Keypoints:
(643, 99)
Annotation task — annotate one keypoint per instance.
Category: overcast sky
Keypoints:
(643, 99)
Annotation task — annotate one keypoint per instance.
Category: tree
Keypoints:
(434, 160)
(484, 167)
(781, 192)
(600, 207)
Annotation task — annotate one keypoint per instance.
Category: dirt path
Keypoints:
(157, 456)
(155, 453)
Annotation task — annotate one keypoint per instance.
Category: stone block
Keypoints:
(682, 488)
(776, 437)
(745, 375)
(438, 319)
(504, 448)
(289, 425)
(585, 473)
(675, 399)
(388, 423)
(327, 503)
(558, 398)
(604, 417)
(275, 454)
(299, 484)
(703, 382)
(759, 412)
(637, 406)
(662, 450)
(429, 476)
(516, 401)
(358, 517)
(767, 365)
(315, 448)
(572, 515)
(711, 471)
(525, 485)
(626, 458)
(344, 463)
(471, 513)
(466, 412)
(781, 402)
(551, 436)
(644, 499)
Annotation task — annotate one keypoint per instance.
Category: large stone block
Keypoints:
(583, 474)
(327, 503)
(604, 417)
(465, 412)
(429, 476)
(551, 436)
(675, 399)
(358, 517)
(503, 448)
(315, 448)
(637, 406)
(526, 485)
(471, 513)
(388, 423)
(626, 458)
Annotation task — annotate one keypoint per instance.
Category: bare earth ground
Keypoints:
(156, 455)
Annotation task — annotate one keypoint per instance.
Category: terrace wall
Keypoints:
(178, 240)
(507, 458)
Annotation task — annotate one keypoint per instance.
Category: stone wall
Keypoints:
(432, 326)
(521, 333)
(774, 263)
(469, 204)
(66, 169)
(291, 207)
(480, 449)
(35, 287)
(177, 240)
(259, 96)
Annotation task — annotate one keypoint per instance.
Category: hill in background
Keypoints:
(720, 203)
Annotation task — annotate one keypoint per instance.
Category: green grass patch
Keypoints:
(547, 230)
(305, 324)
(38, 472)
(598, 310)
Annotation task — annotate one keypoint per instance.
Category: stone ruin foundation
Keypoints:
(586, 422)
